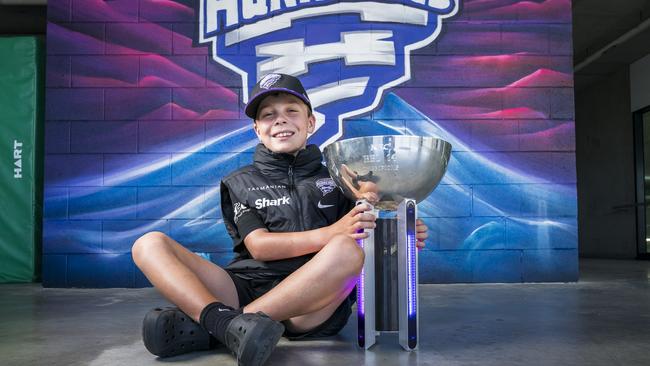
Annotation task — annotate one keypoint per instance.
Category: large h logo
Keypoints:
(346, 53)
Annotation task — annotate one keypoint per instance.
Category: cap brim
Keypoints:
(254, 102)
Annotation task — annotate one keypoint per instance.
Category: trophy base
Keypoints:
(387, 288)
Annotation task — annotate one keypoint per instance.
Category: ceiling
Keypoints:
(596, 23)
(22, 19)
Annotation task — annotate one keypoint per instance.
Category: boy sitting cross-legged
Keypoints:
(294, 236)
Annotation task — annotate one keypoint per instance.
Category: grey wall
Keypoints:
(605, 167)
(640, 83)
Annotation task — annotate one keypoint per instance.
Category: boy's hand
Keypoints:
(371, 197)
(357, 219)
(420, 233)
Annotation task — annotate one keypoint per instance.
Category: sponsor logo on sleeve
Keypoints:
(239, 209)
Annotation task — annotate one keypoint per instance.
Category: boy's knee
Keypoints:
(347, 252)
(146, 244)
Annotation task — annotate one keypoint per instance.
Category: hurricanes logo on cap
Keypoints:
(346, 52)
(269, 80)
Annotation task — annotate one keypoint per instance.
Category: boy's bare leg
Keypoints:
(183, 277)
(310, 295)
(194, 284)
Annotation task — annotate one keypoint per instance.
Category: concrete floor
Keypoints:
(602, 320)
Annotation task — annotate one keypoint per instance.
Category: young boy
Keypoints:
(294, 236)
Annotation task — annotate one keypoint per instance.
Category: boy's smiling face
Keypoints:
(283, 123)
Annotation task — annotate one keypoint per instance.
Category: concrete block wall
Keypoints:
(142, 123)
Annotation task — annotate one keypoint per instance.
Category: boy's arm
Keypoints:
(267, 246)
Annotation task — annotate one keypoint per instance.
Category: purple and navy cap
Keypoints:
(273, 83)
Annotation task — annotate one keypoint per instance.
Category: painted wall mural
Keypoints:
(145, 116)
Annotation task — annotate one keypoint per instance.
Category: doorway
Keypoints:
(642, 162)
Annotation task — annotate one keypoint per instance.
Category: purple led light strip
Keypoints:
(361, 304)
(412, 289)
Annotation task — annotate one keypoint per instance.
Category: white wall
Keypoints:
(640, 83)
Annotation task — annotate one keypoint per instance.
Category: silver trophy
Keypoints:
(393, 174)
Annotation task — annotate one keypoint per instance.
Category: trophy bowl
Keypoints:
(386, 169)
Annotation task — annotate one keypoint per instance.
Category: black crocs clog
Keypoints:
(168, 332)
(252, 338)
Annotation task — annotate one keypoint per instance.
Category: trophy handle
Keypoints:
(366, 329)
(407, 275)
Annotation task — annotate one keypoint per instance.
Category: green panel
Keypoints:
(21, 104)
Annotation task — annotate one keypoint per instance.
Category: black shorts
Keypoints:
(251, 286)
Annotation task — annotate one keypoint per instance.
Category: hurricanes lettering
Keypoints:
(229, 10)
(227, 14)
